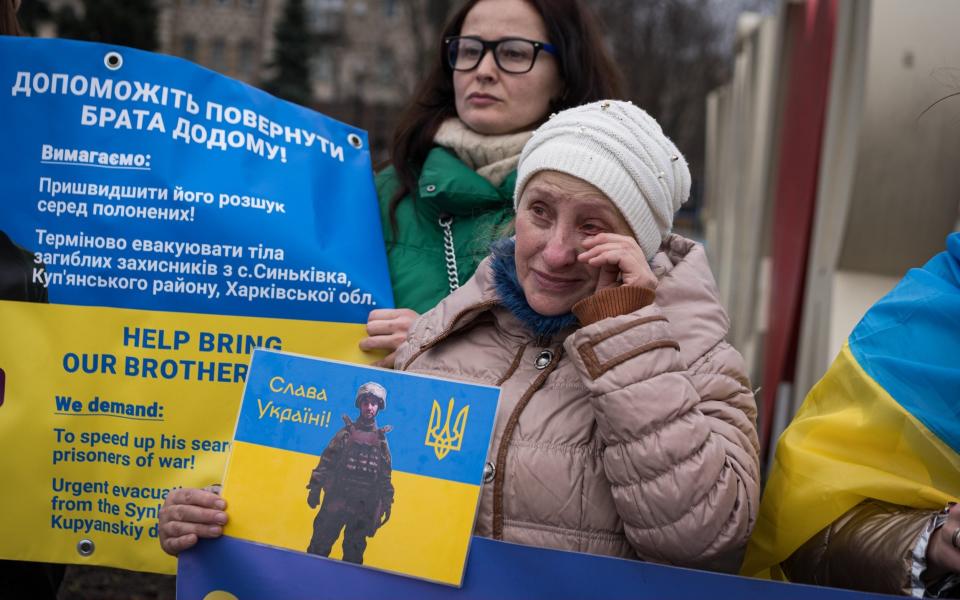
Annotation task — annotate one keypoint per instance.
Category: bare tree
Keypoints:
(673, 53)
(426, 19)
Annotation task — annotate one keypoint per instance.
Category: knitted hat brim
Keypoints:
(601, 170)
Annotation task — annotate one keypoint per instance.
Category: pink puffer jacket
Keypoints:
(632, 436)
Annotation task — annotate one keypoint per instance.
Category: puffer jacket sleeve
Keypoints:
(869, 548)
(410, 346)
(681, 450)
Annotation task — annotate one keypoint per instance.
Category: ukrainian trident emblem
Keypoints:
(443, 440)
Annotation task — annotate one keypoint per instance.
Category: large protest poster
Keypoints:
(159, 222)
(366, 465)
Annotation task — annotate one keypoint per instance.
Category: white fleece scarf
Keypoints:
(493, 157)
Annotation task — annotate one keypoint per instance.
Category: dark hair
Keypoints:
(8, 18)
(586, 69)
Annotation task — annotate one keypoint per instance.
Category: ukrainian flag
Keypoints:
(882, 423)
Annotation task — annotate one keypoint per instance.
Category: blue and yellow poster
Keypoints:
(365, 465)
(158, 222)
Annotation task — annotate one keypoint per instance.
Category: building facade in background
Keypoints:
(229, 36)
(827, 177)
(363, 51)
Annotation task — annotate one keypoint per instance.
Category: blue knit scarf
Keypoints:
(512, 296)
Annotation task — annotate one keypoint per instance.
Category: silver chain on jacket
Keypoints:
(448, 253)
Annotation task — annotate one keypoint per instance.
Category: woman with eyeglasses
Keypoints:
(503, 66)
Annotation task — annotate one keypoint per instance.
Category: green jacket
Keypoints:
(481, 214)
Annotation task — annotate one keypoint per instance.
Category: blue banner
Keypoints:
(231, 568)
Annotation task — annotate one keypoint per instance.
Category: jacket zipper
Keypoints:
(504, 446)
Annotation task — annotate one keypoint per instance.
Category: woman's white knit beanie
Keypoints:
(621, 150)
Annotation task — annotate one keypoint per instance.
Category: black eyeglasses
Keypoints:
(512, 55)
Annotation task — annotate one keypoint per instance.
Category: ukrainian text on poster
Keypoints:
(160, 222)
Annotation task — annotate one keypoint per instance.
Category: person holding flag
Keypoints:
(864, 479)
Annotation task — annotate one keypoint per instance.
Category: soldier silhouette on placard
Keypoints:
(354, 474)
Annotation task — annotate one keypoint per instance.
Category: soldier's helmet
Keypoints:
(374, 390)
